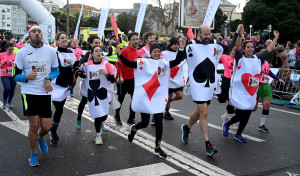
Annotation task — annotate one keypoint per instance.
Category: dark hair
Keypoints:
(91, 40)
(92, 50)
(290, 45)
(147, 35)
(132, 34)
(259, 48)
(9, 45)
(58, 35)
(245, 44)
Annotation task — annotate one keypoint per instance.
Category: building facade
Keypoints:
(5, 16)
(88, 11)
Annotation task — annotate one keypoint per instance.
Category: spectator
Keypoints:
(84, 45)
(297, 64)
(291, 54)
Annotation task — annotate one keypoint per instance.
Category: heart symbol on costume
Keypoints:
(246, 78)
(239, 67)
(174, 71)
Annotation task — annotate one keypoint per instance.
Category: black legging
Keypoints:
(98, 122)
(241, 116)
(230, 109)
(81, 107)
(121, 99)
(158, 124)
(59, 109)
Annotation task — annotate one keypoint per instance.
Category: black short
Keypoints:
(127, 87)
(224, 96)
(174, 90)
(202, 102)
(40, 105)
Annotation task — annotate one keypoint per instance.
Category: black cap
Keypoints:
(173, 41)
(154, 46)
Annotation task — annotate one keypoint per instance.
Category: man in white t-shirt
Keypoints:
(35, 66)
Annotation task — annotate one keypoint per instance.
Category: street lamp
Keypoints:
(250, 29)
(269, 29)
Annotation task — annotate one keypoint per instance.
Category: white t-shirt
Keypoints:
(42, 60)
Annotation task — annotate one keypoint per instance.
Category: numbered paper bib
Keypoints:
(40, 69)
(253, 82)
(8, 71)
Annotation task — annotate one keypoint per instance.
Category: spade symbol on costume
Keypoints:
(95, 92)
(191, 55)
(205, 71)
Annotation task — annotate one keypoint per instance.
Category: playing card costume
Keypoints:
(202, 62)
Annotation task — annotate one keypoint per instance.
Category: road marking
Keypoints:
(16, 124)
(153, 169)
(219, 128)
(176, 156)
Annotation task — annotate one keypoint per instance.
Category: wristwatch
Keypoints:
(48, 78)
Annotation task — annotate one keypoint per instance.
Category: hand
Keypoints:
(118, 51)
(238, 29)
(48, 86)
(242, 29)
(31, 76)
(182, 42)
(120, 80)
(280, 80)
(102, 71)
(276, 33)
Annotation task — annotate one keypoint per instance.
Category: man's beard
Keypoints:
(205, 42)
(36, 42)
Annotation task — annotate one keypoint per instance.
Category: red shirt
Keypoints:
(130, 54)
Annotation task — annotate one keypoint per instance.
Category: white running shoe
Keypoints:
(224, 118)
(98, 140)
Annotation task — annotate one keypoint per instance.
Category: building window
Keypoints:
(8, 25)
(8, 18)
(3, 17)
(8, 10)
(3, 10)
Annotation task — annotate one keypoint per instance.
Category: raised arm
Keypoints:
(180, 55)
(239, 40)
(271, 46)
(126, 62)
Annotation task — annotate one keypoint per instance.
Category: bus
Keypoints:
(86, 32)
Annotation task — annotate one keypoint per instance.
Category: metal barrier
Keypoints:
(292, 83)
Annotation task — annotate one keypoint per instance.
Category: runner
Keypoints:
(177, 80)
(245, 81)
(63, 83)
(127, 77)
(145, 100)
(148, 40)
(202, 58)
(35, 66)
(6, 62)
(264, 92)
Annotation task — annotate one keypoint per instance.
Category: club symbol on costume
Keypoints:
(151, 86)
(95, 92)
(205, 71)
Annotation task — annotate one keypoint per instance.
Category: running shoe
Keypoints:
(10, 105)
(225, 129)
(118, 120)
(131, 133)
(103, 128)
(210, 150)
(78, 124)
(53, 138)
(4, 105)
(153, 120)
(240, 138)
(159, 152)
(263, 129)
(71, 94)
(224, 118)
(98, 140)
(185, 133)
(131, 121)
(43, 145)
(168, 116)
(33, 160)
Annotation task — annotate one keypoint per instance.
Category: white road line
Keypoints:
(176, 156)
(219, 128)
(153, 169)
(16, 124)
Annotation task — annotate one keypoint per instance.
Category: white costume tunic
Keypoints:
(202, 63)
(99, 89)
(244, 83)
(60, 93)
(151, 85)
(177, 79)
(82, 85)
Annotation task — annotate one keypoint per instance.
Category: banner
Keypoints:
(211, 11)
(78, 23)
(103, 18)
(115, 26)
(140, 18)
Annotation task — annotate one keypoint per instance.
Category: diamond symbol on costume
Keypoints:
(174, 71)
(239, 67)
(151, 86)
(141, 68)
(166, 100)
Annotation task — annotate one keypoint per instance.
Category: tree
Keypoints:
(283, 15)
(126, 21)
(220, 18)
(234, 24)
(61, 22)
(166, 15)
(5, 33)
(90, 22)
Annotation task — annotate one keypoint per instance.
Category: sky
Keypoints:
(124, 4)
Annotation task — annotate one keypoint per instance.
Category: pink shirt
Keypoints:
(7, 62)
(107, 66)
(78, 52)
(265, 70)
(228, 65)
(142, 51)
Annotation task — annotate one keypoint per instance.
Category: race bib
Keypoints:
(162, 70)
(8, 71)
(253, 82)
(68, 62)
(265, 78)
(40, 69)
(94, 75)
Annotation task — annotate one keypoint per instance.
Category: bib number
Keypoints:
(162, 70)
(68, 62)
(253, 82)
(266, 78)
(94, 75)
(40, 69)
(8, 71)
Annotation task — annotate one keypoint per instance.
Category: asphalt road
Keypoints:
(275, 153)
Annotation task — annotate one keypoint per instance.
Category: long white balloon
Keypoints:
(140, 18)
(103, 18)
(78, 23)
(211, 11)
